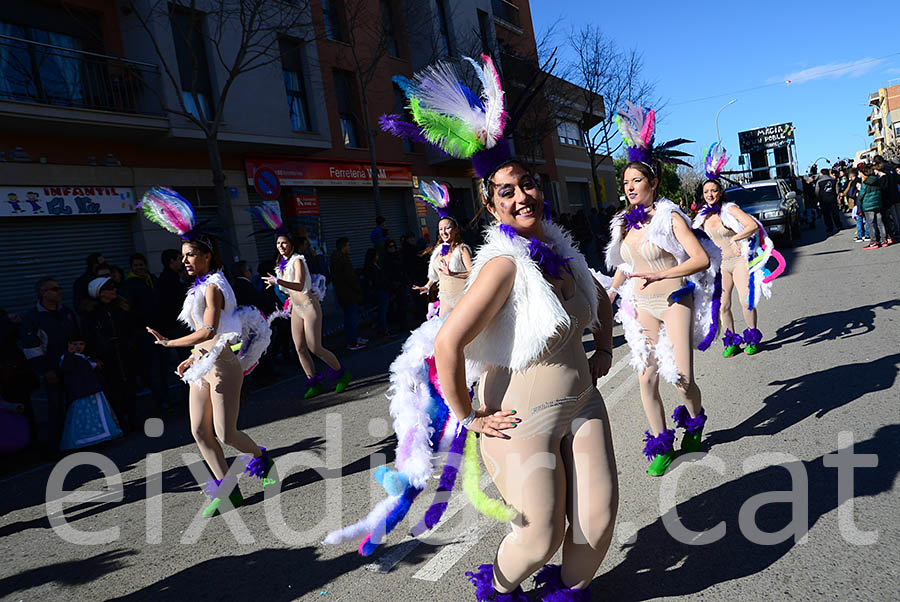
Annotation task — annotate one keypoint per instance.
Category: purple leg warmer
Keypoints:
(219, 488)
(683, 419)
(550, 577)
(752, 336)
(483, 580)
(256, 467)
(335, 374)
(314, 379)
(660, 444)
(731, 338)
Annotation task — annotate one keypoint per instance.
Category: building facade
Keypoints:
(884, 120)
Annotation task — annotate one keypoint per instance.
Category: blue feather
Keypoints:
(474, 101)
(407, 86)
(681, 293)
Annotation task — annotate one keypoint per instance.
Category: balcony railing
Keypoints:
(51, 75)
(873, 98)
(505, 11)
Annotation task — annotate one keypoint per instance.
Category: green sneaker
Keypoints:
(343, 381)
(732, 350)
(660, 464)
(750, 349)
(270, 477)
(690, 442)
(313, 391)
(234, 497)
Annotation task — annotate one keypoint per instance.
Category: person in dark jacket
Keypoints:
(17, 380)
(109, 329)
(141, 290)
(379, 289)
(172, 288)
(79, 287)
(890, 198)
(827, 194)
(870, 202)
(45, 330)
(244, 291)
(349, 292)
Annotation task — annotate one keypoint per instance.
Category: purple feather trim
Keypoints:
(548, 211)
(282, 264)
(483, 580)
(486, 161)
(731, 339)
(634, 217)
(335, 374)
(660, 444)
(549, 260)
(314, 379)
(387, 525)
(448, 480)
(257, 467)
(642, 155)
(219, 487)
(394, 124)
(550, 577)
(445, 248)
(683, 419)
(752, 336)
(198, 282)
(711, 209)
(716, 306)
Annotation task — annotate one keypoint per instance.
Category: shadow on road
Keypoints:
(843, 324)
(68, 573)
(817, 393)
(657, 565)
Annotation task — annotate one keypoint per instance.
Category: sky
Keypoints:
(695, 50)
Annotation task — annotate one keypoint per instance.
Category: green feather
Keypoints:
(449, 133)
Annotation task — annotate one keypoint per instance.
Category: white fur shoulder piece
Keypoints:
(532, 314)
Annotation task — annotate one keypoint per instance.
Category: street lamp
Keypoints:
(730, 102)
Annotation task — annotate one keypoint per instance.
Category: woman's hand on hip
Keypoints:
(491, 424)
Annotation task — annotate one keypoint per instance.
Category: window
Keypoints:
(51, 72)
(400, 109)
(484, 30)
(390, 34)
(444, 25)
(345, 90)
(193, 69)
(569, 133)
(292, 71)
(332, 15)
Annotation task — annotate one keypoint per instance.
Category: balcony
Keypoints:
(56, 84)
(506, 12)
(873, 98)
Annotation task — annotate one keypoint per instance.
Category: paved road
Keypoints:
(827, 376)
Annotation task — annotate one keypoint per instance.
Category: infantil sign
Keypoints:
(773, 136)
(28, 201)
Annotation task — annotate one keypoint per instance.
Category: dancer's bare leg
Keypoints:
(649, 378)
(312, 331)
(201, 415)
(742, 282)
(679, 323)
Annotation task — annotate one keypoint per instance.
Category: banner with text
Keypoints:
(28, 201)
(307, 172)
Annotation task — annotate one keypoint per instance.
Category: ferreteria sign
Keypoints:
(773, 136)
(40, 201)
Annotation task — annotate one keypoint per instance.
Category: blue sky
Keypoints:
(695, 50)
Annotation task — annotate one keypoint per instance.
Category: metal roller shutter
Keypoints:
(393, 204)
(347, 212)
(57, 247)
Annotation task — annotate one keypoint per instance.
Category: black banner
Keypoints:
(773, 136)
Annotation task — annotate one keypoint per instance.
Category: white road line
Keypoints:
(620, 392)
(400, 551)
(615, 369)
(449, 555)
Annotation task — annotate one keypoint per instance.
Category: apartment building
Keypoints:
(884, 120)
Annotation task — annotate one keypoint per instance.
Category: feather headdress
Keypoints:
(637, 127)
(451, 117)
(715, 160)
(437, 195)
(166, 208)
(270, 216)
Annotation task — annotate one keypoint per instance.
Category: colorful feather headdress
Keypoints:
(270, 216)
(437, 195)
(637, 127)
(451, 117)
(715, 162)
(166, 208)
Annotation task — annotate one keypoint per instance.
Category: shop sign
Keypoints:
(27, 201)
(307, 172)
(306, 204)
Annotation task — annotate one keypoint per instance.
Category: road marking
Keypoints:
(620, 392)
(449, 555)
(615, 369)
(399, 552)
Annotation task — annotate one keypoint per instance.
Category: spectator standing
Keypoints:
(349, 292)
(79, 288)
(89, 419)
(398, 283)
(242, 284)
(377, 287)
(141, 290)
(826, 193)
(171, 289)
(17, 380)
(45, 330)
(870, 200)
(890, 199)
(851, 193)
(109, 329)
(378, 235)
(415, 266)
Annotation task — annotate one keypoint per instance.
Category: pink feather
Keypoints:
(648, 130)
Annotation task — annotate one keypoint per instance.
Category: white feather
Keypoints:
(665, 357)
(439, 90)
(366, 525)
(493, 99)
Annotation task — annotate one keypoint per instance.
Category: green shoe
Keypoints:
(234, 497)
(690, 442)
(750, 349)
(313, 391)
(270, 477)
(733, 350)
(660, 464)
(343, 381)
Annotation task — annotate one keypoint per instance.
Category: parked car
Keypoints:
(774, 204)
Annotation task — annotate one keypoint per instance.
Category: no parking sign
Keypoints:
(266, 182)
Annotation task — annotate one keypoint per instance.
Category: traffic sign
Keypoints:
(266, 182)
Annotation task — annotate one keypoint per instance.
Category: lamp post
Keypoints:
(730, 102)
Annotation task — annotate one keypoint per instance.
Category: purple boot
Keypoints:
(554, 590)
(752, 337)
(262, 467)
(483, 580)
(693, 428)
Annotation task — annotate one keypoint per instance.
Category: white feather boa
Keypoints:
(732, 223)
(660, 233)
(255, 336)
(532, 314)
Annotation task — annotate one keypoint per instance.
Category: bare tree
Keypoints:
(240, 36)
(608, 76)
